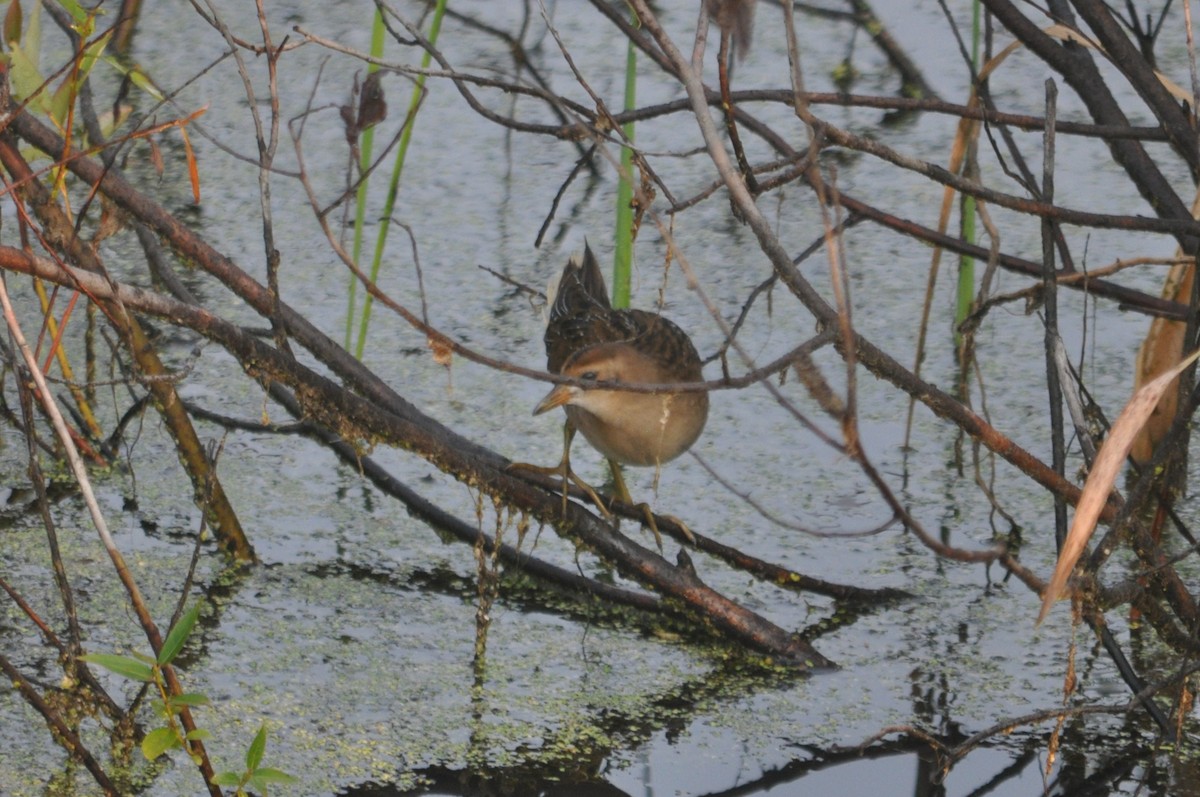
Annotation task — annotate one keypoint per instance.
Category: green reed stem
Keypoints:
(397, 170)
(623, 248)
(365, 143)
(965, 294)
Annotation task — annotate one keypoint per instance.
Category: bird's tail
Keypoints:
(579, 288)
(734, 17)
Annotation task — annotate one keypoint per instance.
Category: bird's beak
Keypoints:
(560, 395)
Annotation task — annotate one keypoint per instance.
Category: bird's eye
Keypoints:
(588, 375)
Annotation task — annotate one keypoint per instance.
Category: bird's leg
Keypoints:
(647, 513)
(569, 475)
(564, 472)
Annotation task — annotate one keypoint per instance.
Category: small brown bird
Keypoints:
(735, 18)
(587, 339)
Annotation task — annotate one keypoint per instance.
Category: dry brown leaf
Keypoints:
(441, 350)
(1161, 348)
(112, 221)
(1103, 476)
(193, 169)
(156, 158)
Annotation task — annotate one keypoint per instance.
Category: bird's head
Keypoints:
(608, 362)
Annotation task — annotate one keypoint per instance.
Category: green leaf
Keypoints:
(32, 38)
(190, 699)
(178, 635)
(12, 22)
(75, 10)
(227, 779)
(91, 53)
(198, 734)
(158, 741)
(254, 754)
(61, 101)
(25, 78)
(124, 666)
(265, 776)
(139, 79)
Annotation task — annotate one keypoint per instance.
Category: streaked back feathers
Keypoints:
(581, 316)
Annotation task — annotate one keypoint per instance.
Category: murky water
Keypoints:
(354, 639)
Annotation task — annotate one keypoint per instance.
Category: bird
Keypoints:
(588, 339)
(735, 18)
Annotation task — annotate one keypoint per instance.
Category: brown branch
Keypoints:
(61, 235)
(588, 117)
(356, 415)
(63, 734)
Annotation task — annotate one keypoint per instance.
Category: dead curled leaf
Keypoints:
(1103, 476)
(441, 350)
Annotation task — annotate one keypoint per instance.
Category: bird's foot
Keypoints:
(648, 514)
(591, 493)
(567, 477)
(644, 508)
